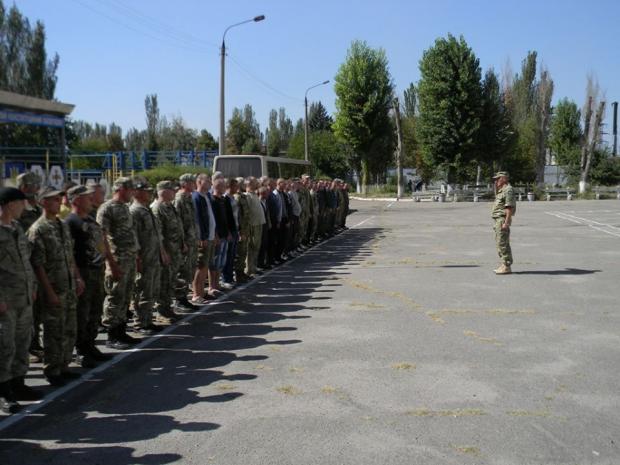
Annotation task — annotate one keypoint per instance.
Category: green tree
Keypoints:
(318, 118)
(450, 101)
(410, 101)
(151, 108)
(206, 141)
(364, 93)
(565, 133)
(326, 153)
(243, 132)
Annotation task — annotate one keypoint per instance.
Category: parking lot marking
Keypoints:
(602, 227)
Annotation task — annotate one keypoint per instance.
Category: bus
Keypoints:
(233, 166)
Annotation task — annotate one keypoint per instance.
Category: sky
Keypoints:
(115, 52)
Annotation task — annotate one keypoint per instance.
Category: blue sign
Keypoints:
(13, 168)
(34, 119)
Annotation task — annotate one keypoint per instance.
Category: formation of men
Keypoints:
(74, 265)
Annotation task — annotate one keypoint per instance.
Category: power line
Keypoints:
(264, 83)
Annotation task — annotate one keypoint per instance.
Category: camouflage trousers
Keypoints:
(15, 334)
(146, 291)
(303, 228)
(188, 268)
(89, 307)
(253, 243)
(315, 226)
(59, 333)
(502, 242)
(168, 282)
(119, 293)
(242, 255)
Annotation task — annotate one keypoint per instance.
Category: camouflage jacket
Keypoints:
(186, 210)
(171, 226)
(505, 197)
(148, 232)
(30, 215)
(16, 274)
(117, 224)
(52, 249)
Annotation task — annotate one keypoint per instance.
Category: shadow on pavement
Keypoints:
(566, 271)
(136, 399)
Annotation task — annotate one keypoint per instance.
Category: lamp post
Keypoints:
(222, 141)
(306, 119)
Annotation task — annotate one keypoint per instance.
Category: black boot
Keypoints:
(114, 341)
(8, 403)
(21, 391)
(124, 337)
(95, 353)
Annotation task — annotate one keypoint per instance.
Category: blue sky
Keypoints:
(114, 52)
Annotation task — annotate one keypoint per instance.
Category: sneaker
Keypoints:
(86, 361)
(21, 391)
(144, 330)
(97, 355)
(116, 344)
(227, 286)
(56, 380)
(124, 337)
(9, 405)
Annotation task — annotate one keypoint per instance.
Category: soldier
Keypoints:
(89, 254)
(174, 245)
(241, 253)
(60, 284)
(252, 226)
(151, 257)
(16, 297)
(504, 209)
(29, 183)
(117, 224)
(315, 212)
(185, 207)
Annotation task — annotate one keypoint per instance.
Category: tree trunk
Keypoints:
(364, 175)
(589, 145)
(399, 150)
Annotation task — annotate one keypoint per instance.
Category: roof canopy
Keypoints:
(22, 109)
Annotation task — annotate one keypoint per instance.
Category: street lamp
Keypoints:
(306, 120)
(222, 142)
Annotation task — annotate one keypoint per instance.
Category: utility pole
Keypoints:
(615, 128)
(399, 149)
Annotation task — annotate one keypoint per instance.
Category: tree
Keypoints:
(206, 141)
(364, 92)
(495, 138)
(593, 117)
(318, 118)
(151, 108)
(565, 133)
(326, 153)
(115, 138)
(450, 103)
(410, 101)
(243, 132)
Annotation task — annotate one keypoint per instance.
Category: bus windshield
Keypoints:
(239, 166)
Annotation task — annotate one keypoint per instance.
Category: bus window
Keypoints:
(292, 170)
(239, 167)
(273, 169)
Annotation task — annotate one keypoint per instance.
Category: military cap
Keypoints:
(122, 182)
(187, 177)
(141, 184)
(78, 191)
(10, 194)
(500, 174)
(49, 191)
(28, 178)
(165, 185)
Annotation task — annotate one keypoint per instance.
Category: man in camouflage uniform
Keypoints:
(251, 226)
(174, 246)
(504, 209)
(89, 254)
(117, 224)
(59, 283)
(315, 211)
(187, 212)
(151, 256)
(16, 297)
(306, 212)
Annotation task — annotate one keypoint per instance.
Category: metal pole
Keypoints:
(615, 128)
(222, 141)
(306, 129)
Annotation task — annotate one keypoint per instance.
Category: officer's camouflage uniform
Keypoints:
(52, 249)
(187, 212)
(17, 290)
(315, 215)
(505, 198)
(31, 214)
(172, 240)
(304, 218)
(117, 224)
(148, 232)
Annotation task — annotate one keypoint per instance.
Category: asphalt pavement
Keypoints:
(392, 343)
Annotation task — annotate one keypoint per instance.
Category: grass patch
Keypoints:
(468, 412)
(288, 390)
(403, 366)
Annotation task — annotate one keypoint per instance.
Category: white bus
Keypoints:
(259, 165)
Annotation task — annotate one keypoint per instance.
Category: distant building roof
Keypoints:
(34, 104)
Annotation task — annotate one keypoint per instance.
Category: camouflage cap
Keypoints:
(122, 182)
(28, 178)
(78, 191)
(165, 185)
(500, 174)
(10, 194)
(187, 177)
(141, 184)
(49, 191)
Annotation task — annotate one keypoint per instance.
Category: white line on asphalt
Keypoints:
(389, 205)
(29, 410)
(612, 231)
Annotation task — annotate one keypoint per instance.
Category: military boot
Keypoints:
(95, 353)
(21, 391)
(8, 403)
(504, 269)
(124, 337)
(114, 341)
